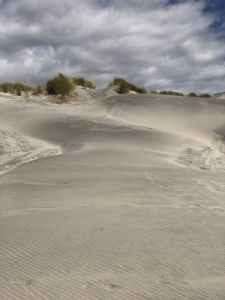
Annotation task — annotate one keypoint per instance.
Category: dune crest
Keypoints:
(187, 119)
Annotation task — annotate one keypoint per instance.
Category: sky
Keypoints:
(157, 44)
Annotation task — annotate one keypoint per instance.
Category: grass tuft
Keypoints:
(206, 95)
(84, 82)
(192, 94)
(37, 90)
(15, 88)
(123, 87)
(171, 93)
(60, 85)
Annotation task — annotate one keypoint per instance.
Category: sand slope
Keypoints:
(132, 209)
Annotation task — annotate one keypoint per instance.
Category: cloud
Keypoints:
(152, 43)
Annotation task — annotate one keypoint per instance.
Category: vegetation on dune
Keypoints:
(205, 95)
(192, 94)
(219, 94)
(60, 85)
(84, 82)
(14, 88)
(171, 93)
(123, 87)
(63, 86)
(174, 93)
(37, 90)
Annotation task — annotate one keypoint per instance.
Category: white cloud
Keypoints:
(151, 43)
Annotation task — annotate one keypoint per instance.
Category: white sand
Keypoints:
(133, 209)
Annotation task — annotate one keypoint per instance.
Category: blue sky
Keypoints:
(159, 44)
(217, 6)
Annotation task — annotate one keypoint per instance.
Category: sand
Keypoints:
(116, 197)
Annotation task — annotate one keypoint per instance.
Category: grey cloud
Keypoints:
(149, 42)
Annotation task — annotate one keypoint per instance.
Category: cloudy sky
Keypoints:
(159, 44)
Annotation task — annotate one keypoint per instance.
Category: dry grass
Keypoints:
(15, 88)
(205, 95)
(171, 93)
(60, 85)
(37, 90)
(84, 82)
(122, 86)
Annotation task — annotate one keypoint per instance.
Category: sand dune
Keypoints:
(133, 208)
(196, 121)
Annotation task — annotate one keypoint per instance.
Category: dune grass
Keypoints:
(37, 90)
(60, 85)
(64, 86)
(15, 88)
(205, 95)
(171, 93)
(192, 94)
(122, 86)
(84, 82)
(175, 93)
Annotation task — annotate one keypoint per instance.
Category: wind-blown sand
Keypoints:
(127, 203)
